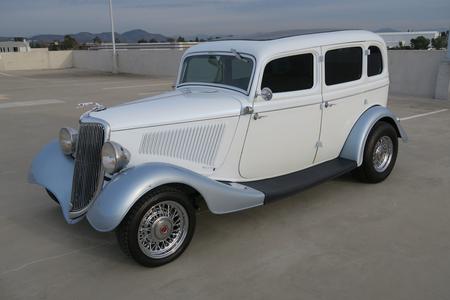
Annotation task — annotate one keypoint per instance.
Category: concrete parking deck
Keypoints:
(339, 240)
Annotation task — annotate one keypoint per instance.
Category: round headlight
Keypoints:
(68, 140)
(114, 157)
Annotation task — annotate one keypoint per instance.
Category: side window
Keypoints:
(374, 61)
(343, 65)
(287, 74)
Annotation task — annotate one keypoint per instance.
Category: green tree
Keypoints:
(35, 44)
(170, 40)
(420, 43)
(54, 46)
(69, 43)
(181, 39)
(97, 40)
(153, 41)
(142, 41)
(196, 39)
(440, 42)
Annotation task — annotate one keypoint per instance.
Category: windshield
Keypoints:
(218, 69)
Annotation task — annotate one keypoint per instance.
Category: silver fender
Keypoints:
(354, 145)
(120, 194)
(53, 170)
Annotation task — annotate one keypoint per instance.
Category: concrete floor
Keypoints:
(339, 240)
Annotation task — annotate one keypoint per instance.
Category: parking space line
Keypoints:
(8, 75)
(135, 86)
(53, 257)
(30, 103)
(423, 115)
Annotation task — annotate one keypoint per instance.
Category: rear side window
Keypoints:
(287, 74)
(374, 61)
(343, 65)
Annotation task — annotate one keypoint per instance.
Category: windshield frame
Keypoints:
(229, 87)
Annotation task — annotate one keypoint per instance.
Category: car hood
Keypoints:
(169, 108)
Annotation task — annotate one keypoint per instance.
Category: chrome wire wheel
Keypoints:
(382, 154)
(163, 229)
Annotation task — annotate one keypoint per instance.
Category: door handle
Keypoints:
(328, 104)
(257, 116)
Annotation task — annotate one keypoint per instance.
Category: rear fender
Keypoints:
(354, 145)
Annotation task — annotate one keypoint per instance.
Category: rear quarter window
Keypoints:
(374, 61)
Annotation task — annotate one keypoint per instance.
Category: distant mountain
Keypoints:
(47, 38)
(132, 36)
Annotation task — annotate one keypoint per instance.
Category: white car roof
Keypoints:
(267, 45)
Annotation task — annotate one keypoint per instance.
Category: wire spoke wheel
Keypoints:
(163, 229)
(382, 153)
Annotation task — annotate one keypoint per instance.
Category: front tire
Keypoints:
(380, 154)
(158, 228)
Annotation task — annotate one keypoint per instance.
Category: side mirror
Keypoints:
(266, 94)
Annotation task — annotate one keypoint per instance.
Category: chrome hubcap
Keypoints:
(163, 229)
(382, 154)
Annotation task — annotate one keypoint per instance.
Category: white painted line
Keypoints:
(29, 103)
(423, 115)
(135, 86)
(8, 75)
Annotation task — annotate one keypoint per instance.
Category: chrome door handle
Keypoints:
(257, 116)
(328, 104)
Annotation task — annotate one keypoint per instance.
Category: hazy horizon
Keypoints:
(209, 17)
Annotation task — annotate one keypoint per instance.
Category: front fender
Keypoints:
(53, 170)
(354, 145)
(127, 187)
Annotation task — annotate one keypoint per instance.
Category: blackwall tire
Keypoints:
(380, 154)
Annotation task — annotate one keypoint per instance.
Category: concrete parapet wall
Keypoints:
(150, 62)
(419, 73)
(145, 62)
(92, 60)
(414, 72)
(40, 59)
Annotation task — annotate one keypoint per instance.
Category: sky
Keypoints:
(218, 17)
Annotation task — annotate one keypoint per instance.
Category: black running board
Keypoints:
(286, 185)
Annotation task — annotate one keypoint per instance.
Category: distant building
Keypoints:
(14, 46)
(395, 39)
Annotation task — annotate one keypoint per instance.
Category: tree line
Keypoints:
(422, 43)
(70, 43)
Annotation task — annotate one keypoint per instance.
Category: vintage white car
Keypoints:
(250, 121)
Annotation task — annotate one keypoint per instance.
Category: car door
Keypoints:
(343, 96)
(283, 132)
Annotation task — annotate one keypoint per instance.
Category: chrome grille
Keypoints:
(88, 172)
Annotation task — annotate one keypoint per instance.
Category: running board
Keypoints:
(286, 185)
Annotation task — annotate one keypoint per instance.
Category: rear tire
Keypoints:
(380, 154)
(158, 228)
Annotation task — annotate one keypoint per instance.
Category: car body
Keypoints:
(249, 121)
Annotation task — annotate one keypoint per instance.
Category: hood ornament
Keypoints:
(95, 106)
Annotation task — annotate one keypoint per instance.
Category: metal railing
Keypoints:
(146, 46)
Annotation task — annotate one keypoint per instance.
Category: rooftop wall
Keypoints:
(414, 72)
(40, 59)
(158, 62)
(419, 73)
